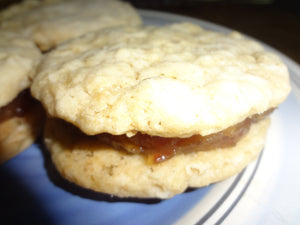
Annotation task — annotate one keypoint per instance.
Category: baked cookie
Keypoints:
(159, 109)
(20, 114)
(51, 22)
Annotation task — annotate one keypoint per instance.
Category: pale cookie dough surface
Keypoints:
(172, 81)
(82, 160)
(51, 22)
(19, 58)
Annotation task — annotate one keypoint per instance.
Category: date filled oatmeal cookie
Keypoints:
(149, 111)
(21, 116)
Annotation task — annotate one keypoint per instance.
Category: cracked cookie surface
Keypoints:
(171, 81)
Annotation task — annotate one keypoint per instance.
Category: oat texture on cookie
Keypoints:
(172, 81)
(51, 22)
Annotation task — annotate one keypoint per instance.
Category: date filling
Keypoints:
(18, 107)
(159, 149)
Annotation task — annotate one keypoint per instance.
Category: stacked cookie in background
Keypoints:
(26, 30)
(51, 22)
(145, 111)
(21, 116)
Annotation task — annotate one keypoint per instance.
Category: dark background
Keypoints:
(275, 22)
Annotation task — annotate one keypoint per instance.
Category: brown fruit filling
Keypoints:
(23, 103)
(160, 149)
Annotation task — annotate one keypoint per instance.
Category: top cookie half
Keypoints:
(51, 22)
(19, 58)
(171, 81)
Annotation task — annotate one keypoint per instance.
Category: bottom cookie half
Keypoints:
(84, 161)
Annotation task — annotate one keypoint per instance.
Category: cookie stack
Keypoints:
(20, 115)
(29, 29)
(148, 111)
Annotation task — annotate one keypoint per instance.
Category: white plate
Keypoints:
(266, 192)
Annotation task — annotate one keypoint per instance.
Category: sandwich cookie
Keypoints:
(21, 116)
(149, 111)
